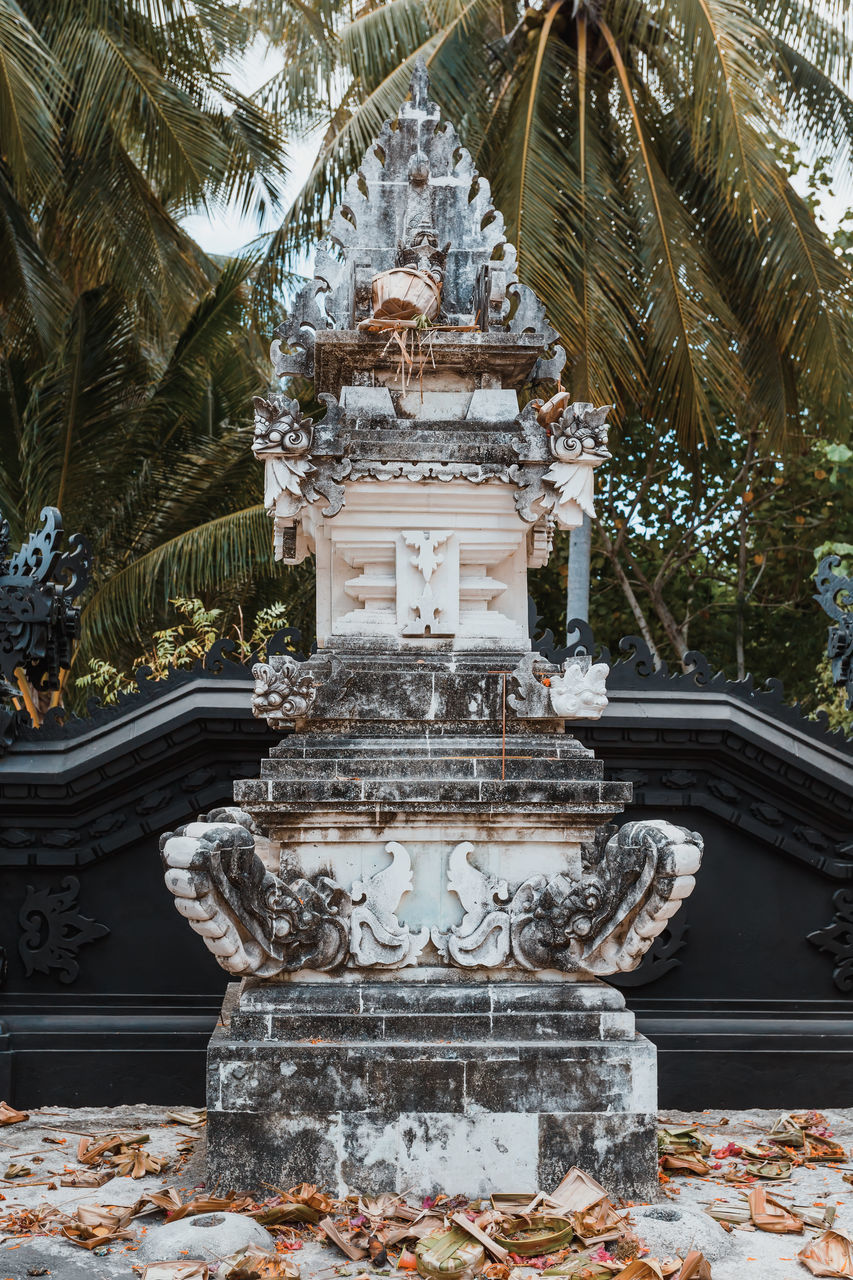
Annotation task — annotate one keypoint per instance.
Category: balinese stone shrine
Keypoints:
(420, 897)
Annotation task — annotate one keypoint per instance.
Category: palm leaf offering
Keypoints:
(448, 1254)
(535, 1235)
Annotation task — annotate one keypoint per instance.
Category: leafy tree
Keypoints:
(127, 357)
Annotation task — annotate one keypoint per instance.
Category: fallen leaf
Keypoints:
(769, 1215)
(831, 1255)
(8, 1115)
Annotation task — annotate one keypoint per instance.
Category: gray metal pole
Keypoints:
(577, 581)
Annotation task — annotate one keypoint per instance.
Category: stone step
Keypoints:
(436, 990)
(410, 1028)
(425, 746)
(598, 799)
(484, 765)
(448, 1075)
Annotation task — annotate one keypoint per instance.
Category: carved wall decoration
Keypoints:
(482, 939)
(378, 939)
(252, 921)
(284, 690)
(54, 930)
(837, 939)
(580, 694)
(633, 882)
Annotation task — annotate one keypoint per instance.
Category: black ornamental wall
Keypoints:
(107, 997)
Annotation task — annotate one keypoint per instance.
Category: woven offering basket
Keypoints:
(403, 294)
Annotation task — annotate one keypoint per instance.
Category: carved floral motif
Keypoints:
(378, 939)
(836, 939)
(54, 930)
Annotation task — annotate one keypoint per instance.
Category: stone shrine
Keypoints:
(421, 893)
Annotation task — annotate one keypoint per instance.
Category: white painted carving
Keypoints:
(432, 604)
(579, 694)
(377, 938)
(284, 690)
(578, 442)
(426, 559)
(481, 939)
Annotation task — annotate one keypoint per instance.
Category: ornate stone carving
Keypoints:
(580, 694)
(428, 605)
(482, 939)
(632, 884)
(836, 939)
(417, 471)
(578, 443)
(54, 930)
(282, 441)
(284, 691)
(377, 938)
(252, 921)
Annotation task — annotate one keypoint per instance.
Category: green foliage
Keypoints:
(127, 357)
(181, 645)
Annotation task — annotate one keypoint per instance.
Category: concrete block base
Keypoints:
(431, 1085)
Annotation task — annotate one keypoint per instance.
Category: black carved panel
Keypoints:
(53, 930)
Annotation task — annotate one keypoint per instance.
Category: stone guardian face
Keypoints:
(428, 825)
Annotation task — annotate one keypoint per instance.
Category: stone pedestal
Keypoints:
(422, 888)
(458, 1083)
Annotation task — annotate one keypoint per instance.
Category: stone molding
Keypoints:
(257, 922)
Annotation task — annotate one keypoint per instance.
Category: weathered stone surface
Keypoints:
(463, 1097)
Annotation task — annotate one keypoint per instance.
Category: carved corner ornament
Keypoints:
(252, 921)
(633, 882)
(282, 441)
(834, 594)
(284, 691)
(54, 930)
(578, 444)
(578, 693)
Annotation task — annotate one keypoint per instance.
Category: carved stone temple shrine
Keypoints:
(421, 893)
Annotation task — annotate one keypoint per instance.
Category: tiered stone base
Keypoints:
(430, 1082)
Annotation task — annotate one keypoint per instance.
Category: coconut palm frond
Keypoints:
(232, 547)
(32, 87)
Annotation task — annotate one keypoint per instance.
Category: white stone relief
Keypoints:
(580, 694)
(482, 938)
(430, 606)
(578, 443)
(284, 690)
(377, 939)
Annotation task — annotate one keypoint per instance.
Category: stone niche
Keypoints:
(421, 894)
